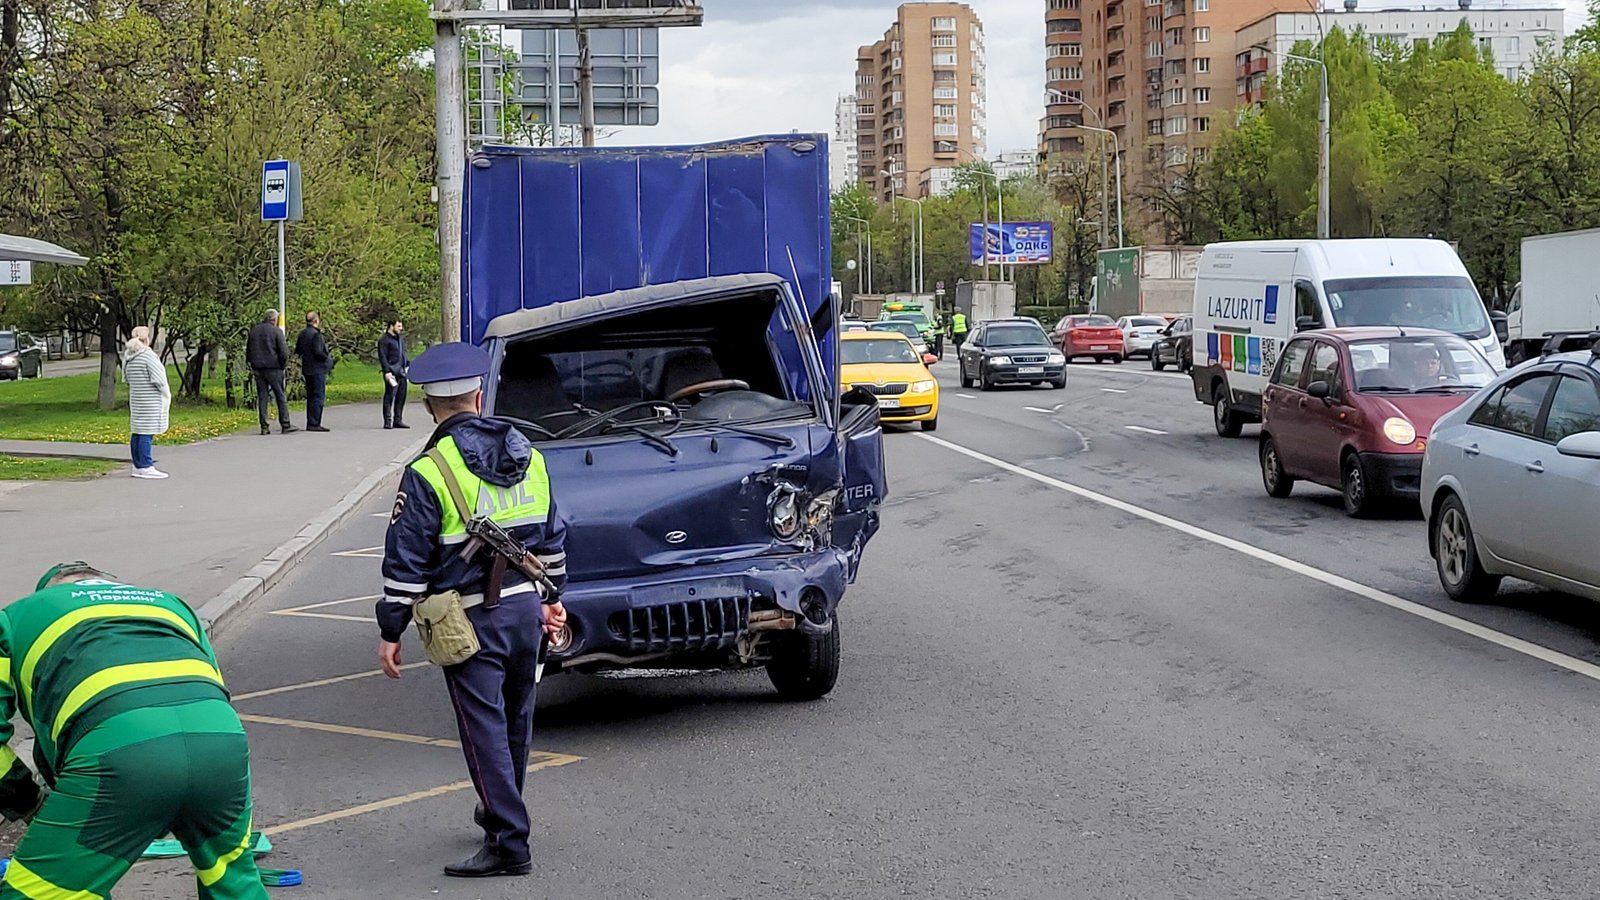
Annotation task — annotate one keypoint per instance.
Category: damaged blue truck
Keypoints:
(662, 329)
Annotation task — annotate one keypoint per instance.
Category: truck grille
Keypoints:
(884, 390)
(692, 625)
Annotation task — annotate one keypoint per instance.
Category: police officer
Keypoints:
(493, 691)
(958, 328)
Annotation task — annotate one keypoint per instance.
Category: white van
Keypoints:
(1250, 297)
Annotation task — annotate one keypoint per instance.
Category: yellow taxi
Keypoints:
(885, 364)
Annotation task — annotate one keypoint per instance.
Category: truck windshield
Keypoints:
(1446, 303)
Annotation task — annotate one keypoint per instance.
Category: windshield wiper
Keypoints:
(1384, 389)
(1444, 389)
(654, 439)
(782, 440)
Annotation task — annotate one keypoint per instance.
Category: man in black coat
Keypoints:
(267, 354)
(316, 364)
(393, 361)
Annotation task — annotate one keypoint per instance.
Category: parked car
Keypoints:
(1140, 334)
(20, 356)
(1011, 351)
(907, 328)
(1094, 336)
(1176, 346)
(1350, 408)
(1511, 482)
(888, 367)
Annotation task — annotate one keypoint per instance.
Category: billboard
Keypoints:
(1014, 243)
(1117, 282)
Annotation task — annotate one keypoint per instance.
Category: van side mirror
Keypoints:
(1320, 390)
(1584, 444)
(1304, 323)
(1501, 329)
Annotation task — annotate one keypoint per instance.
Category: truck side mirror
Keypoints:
(1501, 329)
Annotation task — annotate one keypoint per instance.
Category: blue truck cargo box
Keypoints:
(544, 225)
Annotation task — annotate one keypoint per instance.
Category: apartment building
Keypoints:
(1157, 73)
(920, 100)
(843, 163)
(1512, 31)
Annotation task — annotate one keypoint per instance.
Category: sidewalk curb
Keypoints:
(265, 575)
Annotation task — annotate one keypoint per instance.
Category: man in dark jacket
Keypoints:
(315, 364)
(393, 361)
(268, 355)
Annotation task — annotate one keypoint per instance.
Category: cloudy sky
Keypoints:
(765, 66)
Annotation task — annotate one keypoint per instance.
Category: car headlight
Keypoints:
(1057, 359)
(10, 359)
(924, 386)
(1399, 431)
(1000, 360)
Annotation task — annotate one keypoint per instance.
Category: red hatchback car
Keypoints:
(1094, 336)
(1351, 408)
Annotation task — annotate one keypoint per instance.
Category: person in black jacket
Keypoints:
(393, 361)
(268, 355)
(316, 364)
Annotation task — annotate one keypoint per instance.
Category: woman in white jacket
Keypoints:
(149, 399)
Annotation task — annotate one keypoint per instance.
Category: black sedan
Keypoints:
(20, 357)
(1011, 351)
(1175, 347)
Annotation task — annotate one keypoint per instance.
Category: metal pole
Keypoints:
(922, 252)
(585, 87)
(1105, 187)
(1323, 208)
(1000, 191)
(451, 149)
(869, 261)
(1120, 241)
(985, 228)
(282, 320)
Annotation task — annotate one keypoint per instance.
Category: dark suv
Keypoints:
(20, 357)
(1011, 351)
(1175, 347)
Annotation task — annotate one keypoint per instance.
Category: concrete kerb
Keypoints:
(265, 575)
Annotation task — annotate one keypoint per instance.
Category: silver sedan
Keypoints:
(1140, 334)
(1511, 482)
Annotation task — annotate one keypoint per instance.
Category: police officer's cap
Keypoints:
(450, 370)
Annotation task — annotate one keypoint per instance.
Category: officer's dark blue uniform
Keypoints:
(493, 692)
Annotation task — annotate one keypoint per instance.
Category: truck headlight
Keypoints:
(783, 510)
(923, 386)
(1000, 360)
(1399, 431)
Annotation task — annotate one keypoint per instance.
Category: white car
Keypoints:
(1511, 482)
(1140, 334)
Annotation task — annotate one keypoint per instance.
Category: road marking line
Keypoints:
(1057, 407)
(1142, 429)
(1114, 390)
(304, 612)
(1038, 410)
(363, 553)
(545, 761)
(365, 620)
(321, 682)
(1473, 629)
(351, 731)
(967, 396)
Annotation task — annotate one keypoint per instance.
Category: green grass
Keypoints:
(54, 468)
(63, 409)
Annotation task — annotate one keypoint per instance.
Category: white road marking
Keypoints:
(1038, 410)
(967, 396)
(1456, 623)
(1114, 390)
(363, 553)
(1057, 407)
(1079, 434)
(1142, 429)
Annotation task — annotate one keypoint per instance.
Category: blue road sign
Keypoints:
(275, 190)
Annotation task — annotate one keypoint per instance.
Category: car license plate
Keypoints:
(888, 402)
(1101, 347)
(1031, 370)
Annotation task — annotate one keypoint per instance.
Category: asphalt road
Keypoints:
(1082, 660)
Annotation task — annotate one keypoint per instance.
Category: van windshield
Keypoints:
(1447, 303)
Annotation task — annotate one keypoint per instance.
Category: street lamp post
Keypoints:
(1105, 176)
(1324, 152)
(865, 270)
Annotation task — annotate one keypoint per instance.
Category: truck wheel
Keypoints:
(806, 667)
(1226, 419)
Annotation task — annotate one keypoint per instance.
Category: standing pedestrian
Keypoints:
(393, 361)
(491, 688)
(134, 736)
(268, 356)
(316, 364)
(149, 401)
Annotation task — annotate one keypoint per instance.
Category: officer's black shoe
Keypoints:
(487, 863)
(265, 430)
(288, 429)
(401, 425)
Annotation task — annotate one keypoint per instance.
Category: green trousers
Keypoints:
(131, 780)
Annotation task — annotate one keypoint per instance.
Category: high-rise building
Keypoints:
(1157, 73)
(1512, 32)
(920, 94)
(843, 166)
